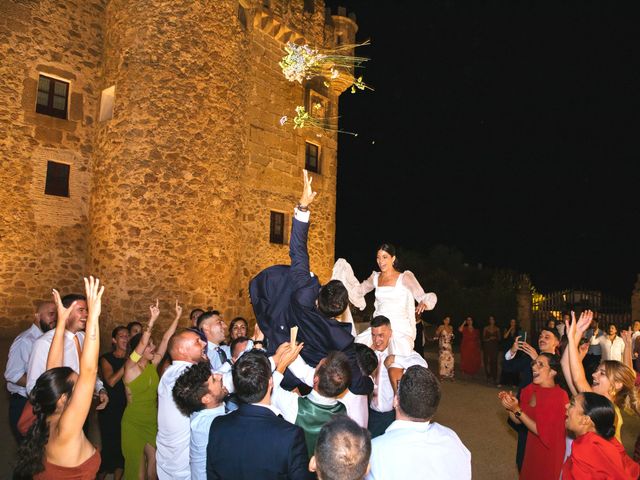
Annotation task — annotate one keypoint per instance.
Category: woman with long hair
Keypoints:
(595, 453)
(56, 446)
(396, 296)
(541, 409)
(470, 358)
(444, 336)
(112, 370)
(140, 419)
(490, 342)
(612, 379)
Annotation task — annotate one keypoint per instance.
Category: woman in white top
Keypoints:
(396, 296)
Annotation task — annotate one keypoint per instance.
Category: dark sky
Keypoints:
(509, 131)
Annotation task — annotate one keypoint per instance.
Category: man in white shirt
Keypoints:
(215, 331)
(173, 438)
(390, 370)
(199, 394)
(73, 341)
(612, 345)
(18, 361)
(413, 446)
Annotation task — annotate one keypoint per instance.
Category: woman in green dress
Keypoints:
(140, 419)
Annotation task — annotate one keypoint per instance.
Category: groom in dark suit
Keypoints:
(254, 442)
(283, 296)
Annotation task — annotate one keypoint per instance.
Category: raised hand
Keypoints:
(308, 195)
(516, 345)
(154, 311)
(528, 349)
(584, 322)
(94, 293)
(63, 313)
(178, 309)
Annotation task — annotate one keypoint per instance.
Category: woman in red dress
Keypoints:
(542, 409)
(469, 348)
(595, 452)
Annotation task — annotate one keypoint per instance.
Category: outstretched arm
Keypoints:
(575, 330)
(298, 250)
(426, 301)
(627, 356)
(162, 348)
(75, 414)
(132, 360)
(56, 351)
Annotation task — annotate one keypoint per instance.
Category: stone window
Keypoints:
(242, 16)
(312, 157)
(53, 97)
(276, 230)
(57, 182)
(107, 100)
(309, 6)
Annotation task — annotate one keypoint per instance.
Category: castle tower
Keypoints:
(50, 56)
(182, 180)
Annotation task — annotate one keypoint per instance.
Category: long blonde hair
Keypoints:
(627, 397)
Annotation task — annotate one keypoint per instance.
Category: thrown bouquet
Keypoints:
(304, 63)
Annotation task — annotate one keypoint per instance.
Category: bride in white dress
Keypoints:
(396, 296)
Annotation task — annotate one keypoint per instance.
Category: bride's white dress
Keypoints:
(396, 302)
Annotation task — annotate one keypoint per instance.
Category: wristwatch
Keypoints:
(518, 414)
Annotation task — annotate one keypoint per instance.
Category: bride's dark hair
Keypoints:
(49, 387)
(391, 250)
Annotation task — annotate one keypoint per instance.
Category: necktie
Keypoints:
(221, 354)
(78, 347)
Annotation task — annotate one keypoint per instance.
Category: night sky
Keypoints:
(508, 131)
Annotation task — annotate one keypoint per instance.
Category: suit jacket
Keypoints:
(253, 443)
(284, 296)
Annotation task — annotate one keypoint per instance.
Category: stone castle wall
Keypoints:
(43, 238)
(171, 198)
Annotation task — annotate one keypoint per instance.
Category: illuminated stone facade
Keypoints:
(171, 195)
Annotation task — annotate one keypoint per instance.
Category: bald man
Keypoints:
(172, 442)
(18, 362)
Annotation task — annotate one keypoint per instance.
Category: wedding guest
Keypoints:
(194, 315)
(595, 452)
(310, 412)
(110, 418)
(252, 428)
(541, 410)
(134, 328)
(18, 362)
(469, 348)
(342, 451)
(73, 340)
(612, 346)
(139, 421)
(56, 446)
(414, 446)
(199, 394)
(612, 379)
(444, 335)
(172, 441)
(490, 342)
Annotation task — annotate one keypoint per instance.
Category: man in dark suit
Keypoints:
(254, 442)
(285, 296)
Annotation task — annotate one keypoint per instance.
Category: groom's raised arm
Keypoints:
(304, 285)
